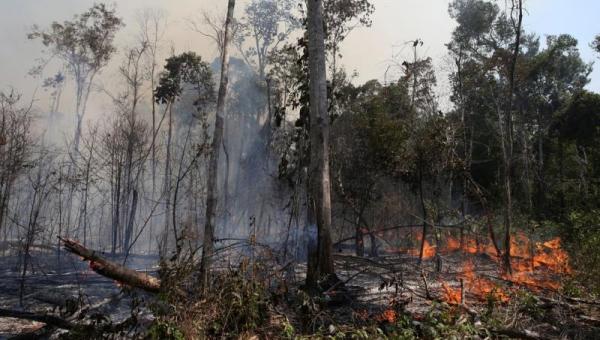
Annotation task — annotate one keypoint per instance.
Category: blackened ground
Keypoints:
(51, 284)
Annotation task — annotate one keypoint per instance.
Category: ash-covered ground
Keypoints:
(51, 285)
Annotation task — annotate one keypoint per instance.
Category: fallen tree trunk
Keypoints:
(518, 334)
(49, 320)
(112, 269)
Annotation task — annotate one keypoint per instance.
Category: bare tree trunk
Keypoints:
(84, 208)
(320, 259)
(167, 181)
(541, 182)
(39, 198)
(424, 212)
(116, 197)
(360, 242)
(226, 177)
(507, 143)
(130, 223)
(211, 201)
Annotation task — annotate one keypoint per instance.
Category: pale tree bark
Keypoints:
(320, 261)
(217, 142)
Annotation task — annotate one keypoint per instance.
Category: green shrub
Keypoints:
(582, 237)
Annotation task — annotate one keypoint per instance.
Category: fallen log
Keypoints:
(49, 320)
(582, 301)
(42, 333)
(112, 269)
(518, 334)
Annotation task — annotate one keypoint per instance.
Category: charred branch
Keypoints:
(112, 269)
(50, 320)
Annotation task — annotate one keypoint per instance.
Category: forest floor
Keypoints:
(460, 294)
(52, 285)
(455, 294)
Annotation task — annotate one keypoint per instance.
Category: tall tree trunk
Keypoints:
(508, 140)
(541, 182)
(116, 205)
(320, 259)
(211, 200)
(130, 224)
(360, 242)
(424, 216)
(167, 181)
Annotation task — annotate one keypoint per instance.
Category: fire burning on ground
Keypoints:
(535, 265)
(539, 265)
(428, 250)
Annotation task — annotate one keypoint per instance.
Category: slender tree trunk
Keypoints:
(211, 201)
(320, 259)
(130, 223)
(424, 216)
(167, 181)
(508, 140)
(116, 223)
(360, 242)
(84, 208)
(269, 123)
(541, 181)
(226, 177)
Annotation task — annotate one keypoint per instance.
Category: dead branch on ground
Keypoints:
(112, 269)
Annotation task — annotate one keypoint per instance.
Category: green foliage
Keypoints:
(86, 42)
(403, 328)
(528, 305)
(164, 330)
(581, 120)
(186, 69)
(596, 44)
(288, 330)
(447, 323)
(582, 236)
(237, 302)
(341, 16)
(262, 27)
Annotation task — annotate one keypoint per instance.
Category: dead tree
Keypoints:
(41, 188)
(152, 25)
(87, 179)
(15, 146)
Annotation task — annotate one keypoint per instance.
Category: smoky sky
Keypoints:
(368, 51)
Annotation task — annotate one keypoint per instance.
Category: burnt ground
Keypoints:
(390, 285)
(51, 286)
(372, 289)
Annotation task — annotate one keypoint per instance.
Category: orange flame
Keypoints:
(480, 286)
(451, 295)
(428, 249)
(543, 255)
(534, 264)
(452, 244)
(550, 255)
(389, 315)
